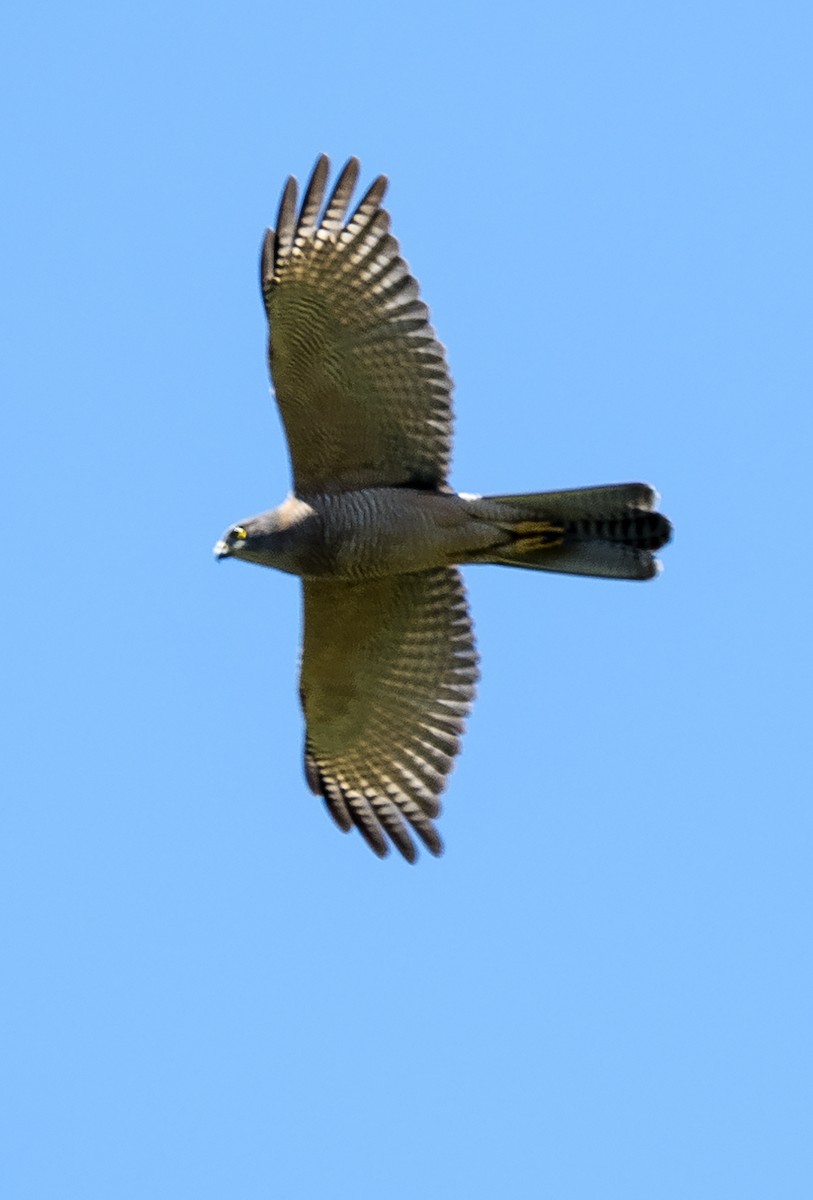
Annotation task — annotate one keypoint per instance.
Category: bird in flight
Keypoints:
(372, 527)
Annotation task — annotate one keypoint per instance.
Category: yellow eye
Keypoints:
(239, 532)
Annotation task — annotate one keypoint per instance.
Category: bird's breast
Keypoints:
(384, 531)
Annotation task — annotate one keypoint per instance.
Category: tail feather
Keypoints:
(604, 531)
(608, 500)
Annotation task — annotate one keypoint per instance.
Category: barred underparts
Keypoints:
(373, 529)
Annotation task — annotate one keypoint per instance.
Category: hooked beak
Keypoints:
(221, 549)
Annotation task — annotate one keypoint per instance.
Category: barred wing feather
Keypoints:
(388, 676)
(360, 377)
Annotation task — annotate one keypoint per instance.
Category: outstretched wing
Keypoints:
(360, 377)
(388, 675)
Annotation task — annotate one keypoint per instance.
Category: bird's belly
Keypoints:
(387, 531)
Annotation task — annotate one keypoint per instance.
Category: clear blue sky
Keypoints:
(603, 990)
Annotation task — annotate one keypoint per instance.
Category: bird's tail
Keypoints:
(609, 531)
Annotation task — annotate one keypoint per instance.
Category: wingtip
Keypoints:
(314, 195)
(353, 164)
(286, 217)
(267, 259)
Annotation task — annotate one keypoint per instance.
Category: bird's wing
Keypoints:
(388, 675)
(360, 377)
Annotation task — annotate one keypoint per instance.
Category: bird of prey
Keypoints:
(373, 528)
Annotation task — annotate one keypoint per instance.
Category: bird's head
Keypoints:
(272, 539)
(249, 539)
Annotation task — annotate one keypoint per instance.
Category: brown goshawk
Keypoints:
(372, 527)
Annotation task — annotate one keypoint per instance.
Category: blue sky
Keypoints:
(603, 989)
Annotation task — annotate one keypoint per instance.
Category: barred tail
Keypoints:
(607, 531)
